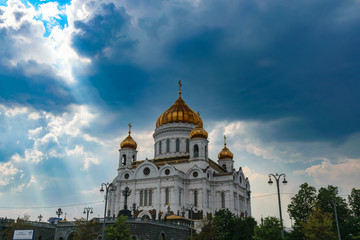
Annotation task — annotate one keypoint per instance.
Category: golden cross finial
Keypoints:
(130, 128)
(180, 87)
(224, 140)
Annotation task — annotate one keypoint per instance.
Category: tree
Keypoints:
(224, 219)
(325, 201)
(302, 203)
(86, 229)
(120, 230)
(209, 230)
(269, 230)
(354, 202)
(244, 228)
(319, 226)
(20, 224)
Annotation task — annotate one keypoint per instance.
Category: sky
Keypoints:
(280, 79)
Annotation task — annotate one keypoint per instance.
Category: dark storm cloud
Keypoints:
(101, 31)
(39, 91)
(252, 60)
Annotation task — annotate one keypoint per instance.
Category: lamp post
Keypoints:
(108, 187)
(277, 178)
(88, 210)
(336, 218)
(191, 217)
(59, 212)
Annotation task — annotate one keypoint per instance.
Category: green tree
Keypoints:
(302, 203)
(224, 219)
(319, 226)
(19, 224)
(325, 201)
(244, 228)
(209, 230)
(120, 230)
(354, 202)
(269, 230)
(86, 229)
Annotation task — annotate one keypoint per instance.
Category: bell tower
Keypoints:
(127, 151)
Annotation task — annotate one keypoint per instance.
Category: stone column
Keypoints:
(158, 197)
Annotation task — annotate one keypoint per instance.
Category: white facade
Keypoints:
(180, 176)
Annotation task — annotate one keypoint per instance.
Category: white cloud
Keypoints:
(34, 116)
(7, 171)
(49, 10)
(14, 111)
(88, 157)
(25, 43)
(344, 174)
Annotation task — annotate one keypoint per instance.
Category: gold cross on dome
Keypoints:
(180, 85)
(224, 140)
(130, 128)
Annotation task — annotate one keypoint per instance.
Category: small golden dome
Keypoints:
(225, 152)
(128, 142)
(198, 131)
(179, 112)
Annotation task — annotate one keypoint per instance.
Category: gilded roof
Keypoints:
(198, 132)
(179, 112)
(225, 153)
(128, 142)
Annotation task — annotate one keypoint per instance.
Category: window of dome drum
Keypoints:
(196, 150)
(195, 174)
(168, 145)
(208, 175)
(126, 176)
(146, 171)
(167, 171)
(177, 145)
(222, 200)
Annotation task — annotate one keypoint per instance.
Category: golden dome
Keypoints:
(198, 132)
(225, 152)
(128, 142)
(179, 112)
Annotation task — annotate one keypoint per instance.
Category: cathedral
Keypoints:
(181, 179)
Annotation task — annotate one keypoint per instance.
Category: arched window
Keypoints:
(177, 145)
(195, 198)
(187, 145)
(196, 151)
(167, 196)
(205, 152)
(133, 158)
(224, 166)
(160, 150)
(162, 237)
(222, 200)
(146, 198)
(123, 159)
(141, 197)
(150, 197)
(167, 145)
(240, 179)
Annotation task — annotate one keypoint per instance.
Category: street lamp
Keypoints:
(59, 212)
(191, 217)
(277, 178)
(88, 210)
(108, 187)
(336, 218)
